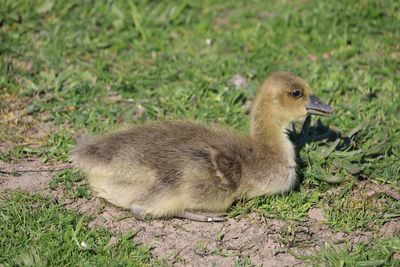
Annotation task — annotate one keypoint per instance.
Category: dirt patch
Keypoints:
(259, 240)
(316, 214)
(391, 228)
(184, 242)
(20, 124)
(16, 176)
(263, 241)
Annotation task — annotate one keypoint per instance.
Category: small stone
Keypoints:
(84, 244)
(139, 112)
(239, 81)
(316, 214)
(312, 57)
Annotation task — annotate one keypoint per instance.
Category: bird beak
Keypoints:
(317, 107)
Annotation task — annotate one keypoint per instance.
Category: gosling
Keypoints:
(189, 170)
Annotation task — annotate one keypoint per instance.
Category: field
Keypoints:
(69, 68)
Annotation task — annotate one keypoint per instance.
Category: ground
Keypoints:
(70, 68)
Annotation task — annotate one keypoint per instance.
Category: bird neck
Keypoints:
(267, 130)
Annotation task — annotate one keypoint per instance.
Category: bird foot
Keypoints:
(202, 217)
(139, 212)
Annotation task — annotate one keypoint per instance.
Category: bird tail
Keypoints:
(82, 155)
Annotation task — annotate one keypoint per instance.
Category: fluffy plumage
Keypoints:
(184, 168)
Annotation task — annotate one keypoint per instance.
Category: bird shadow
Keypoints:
(308, 134)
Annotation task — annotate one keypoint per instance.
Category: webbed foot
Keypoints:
(139, 212)
(202, 217)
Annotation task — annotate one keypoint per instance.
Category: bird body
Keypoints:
(184, 168)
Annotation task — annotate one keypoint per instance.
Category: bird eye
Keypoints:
(296, 93)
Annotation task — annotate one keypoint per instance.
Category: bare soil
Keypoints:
(15, 176)
(264, 241)
(20, 125)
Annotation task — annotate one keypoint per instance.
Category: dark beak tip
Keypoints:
(317, 107)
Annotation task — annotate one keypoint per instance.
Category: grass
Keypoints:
(73, 184)
(362, 255)
(44, 234)
(92, 66)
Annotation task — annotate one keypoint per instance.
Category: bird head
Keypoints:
(285, 97)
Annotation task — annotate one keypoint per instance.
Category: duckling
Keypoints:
(189, 170)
